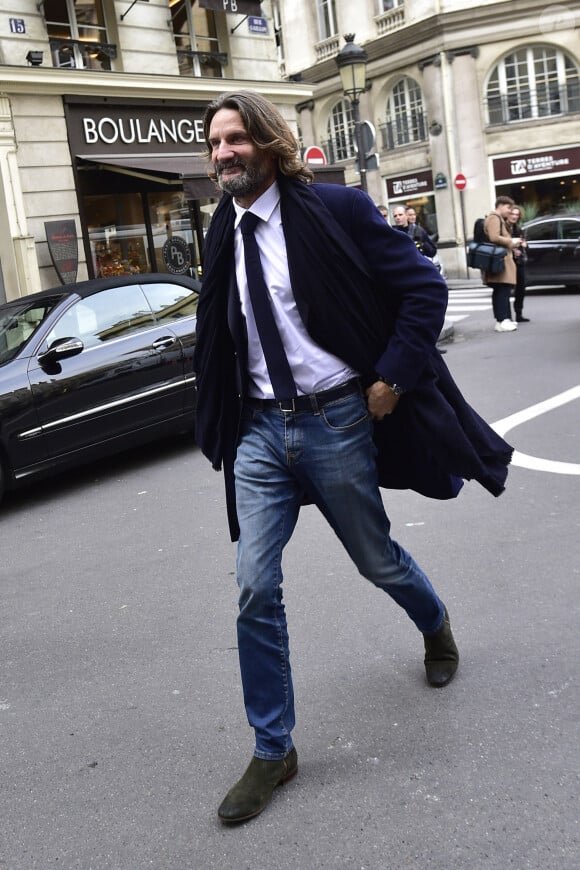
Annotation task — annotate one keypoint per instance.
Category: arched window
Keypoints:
(340, 132)
(533, 82)
(405, 115)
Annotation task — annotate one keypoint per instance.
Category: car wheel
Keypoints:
(2, 480)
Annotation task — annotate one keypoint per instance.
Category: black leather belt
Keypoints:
(312, 402)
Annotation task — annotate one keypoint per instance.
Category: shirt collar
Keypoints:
(263, 207)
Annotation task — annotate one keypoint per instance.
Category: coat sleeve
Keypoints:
(493, 232)
(429, 246)
(411, 288)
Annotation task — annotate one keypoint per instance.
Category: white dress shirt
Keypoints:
(312, 367)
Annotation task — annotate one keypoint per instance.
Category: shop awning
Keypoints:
(189, 169)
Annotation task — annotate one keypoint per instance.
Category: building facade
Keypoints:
(483, 96)
(101, 101)
(101, 142)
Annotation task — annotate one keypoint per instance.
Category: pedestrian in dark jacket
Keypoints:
(514, 219)
(419, 236)
(316, 348)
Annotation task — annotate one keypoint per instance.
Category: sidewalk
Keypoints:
(472, 283)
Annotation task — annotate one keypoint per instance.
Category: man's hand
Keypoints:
(381, 400)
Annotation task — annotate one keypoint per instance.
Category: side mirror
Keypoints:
(62, 348)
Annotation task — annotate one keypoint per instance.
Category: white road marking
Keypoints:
(502, 427)
(463, 307)
(463, 302)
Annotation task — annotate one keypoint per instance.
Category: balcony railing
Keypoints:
(339, 149)
(404, 131)
(203, 63)
(81, 54)
(391, 20)
(528, 104)
(327, 48)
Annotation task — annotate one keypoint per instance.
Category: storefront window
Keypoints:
(424, 208)
(127, 231)
(169, 215)
(117, 235)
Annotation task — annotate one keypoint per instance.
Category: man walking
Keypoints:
(317, 325)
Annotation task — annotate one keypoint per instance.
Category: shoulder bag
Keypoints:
(484, 255)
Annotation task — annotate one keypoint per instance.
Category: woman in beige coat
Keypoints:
(502, 283)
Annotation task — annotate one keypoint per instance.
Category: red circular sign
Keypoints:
(460, 182)
(314, 154)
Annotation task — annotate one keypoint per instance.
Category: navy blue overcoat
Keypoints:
(367, 295)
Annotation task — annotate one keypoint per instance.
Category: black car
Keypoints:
(553, 250)
(94, 367)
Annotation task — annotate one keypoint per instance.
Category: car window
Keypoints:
(19, 322)
(170, 301)
(104, 316)
(570, 229)
(542, 232)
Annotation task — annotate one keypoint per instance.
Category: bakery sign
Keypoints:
(410, 185)
(100, 128)
(560, 161)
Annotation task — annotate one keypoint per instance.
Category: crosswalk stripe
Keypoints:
(466, 300)
(456, 294)
(469, 307)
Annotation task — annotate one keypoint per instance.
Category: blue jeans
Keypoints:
(329, 457)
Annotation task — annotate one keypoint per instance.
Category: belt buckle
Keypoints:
(284, 406)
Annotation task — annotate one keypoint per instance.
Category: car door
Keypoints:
(569, 250)
(20, 322)
(176, 305)
(129, 375)
(542, 251)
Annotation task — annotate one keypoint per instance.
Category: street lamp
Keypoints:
(351, 61)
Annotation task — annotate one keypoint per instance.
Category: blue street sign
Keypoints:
(257, 25)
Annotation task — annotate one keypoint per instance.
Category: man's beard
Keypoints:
(248, 182)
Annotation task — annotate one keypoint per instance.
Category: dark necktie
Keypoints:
(274, 353)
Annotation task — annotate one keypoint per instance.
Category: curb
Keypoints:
(447, 332)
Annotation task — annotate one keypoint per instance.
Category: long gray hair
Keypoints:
(266, 127)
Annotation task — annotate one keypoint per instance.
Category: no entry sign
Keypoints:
(460, 182)
(314, 154)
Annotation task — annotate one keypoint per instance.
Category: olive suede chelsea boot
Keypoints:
(441, 655)
(254, 790)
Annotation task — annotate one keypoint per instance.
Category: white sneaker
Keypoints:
(505, 326)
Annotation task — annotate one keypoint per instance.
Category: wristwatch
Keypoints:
(397, 390)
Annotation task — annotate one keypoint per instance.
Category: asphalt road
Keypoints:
(121, 719)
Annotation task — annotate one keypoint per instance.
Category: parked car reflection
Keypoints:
(553, 251)
(91, 368)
